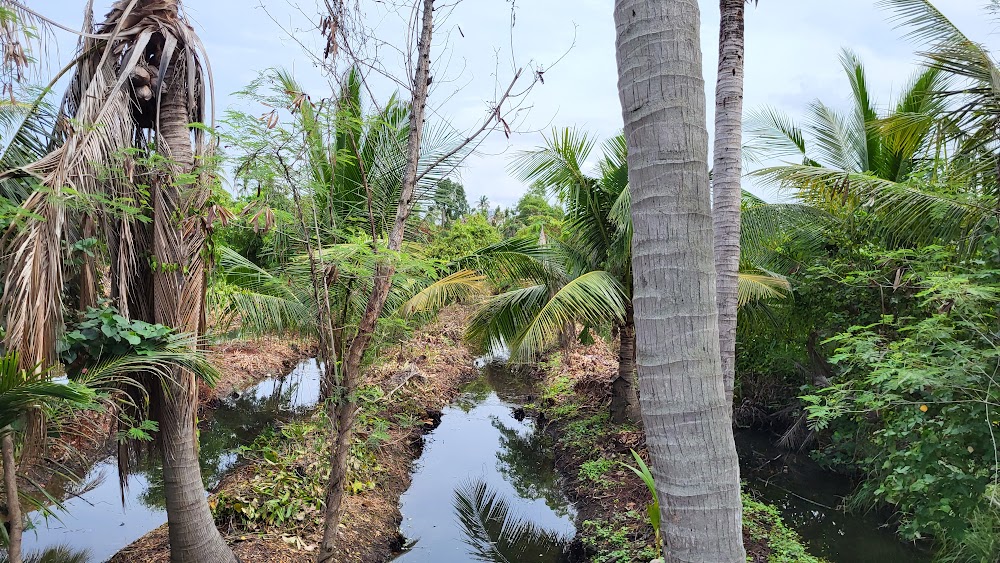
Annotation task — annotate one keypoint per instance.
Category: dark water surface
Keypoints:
(485, 487)
(810, 500)
(95, 525)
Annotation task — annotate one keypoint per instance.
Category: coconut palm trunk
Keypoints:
(345, 410)
(141, 77)
(726, 175)
(15, 521)
(684, 409)
(179, 300)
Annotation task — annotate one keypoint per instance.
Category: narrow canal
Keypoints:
(485, 487)
(95, 525)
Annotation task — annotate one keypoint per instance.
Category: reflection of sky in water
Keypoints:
(97, 521)
(470, 445)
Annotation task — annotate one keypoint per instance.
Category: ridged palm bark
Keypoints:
(179, 302)
(726, 173)
(15, 521)
(686, 417)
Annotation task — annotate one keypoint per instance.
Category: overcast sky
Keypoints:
(792, 58)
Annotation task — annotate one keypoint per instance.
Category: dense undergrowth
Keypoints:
(611, 499)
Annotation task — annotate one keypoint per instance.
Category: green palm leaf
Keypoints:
(457, 286)
(495, 534)
(758, 288)
(22, 391)
(256, 301)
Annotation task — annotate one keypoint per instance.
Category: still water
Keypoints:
(96, 525)
(810, 500)
(485, 487)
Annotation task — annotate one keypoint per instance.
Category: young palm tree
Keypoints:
(891, 164)
(598, 233)
(684, 408)
(586, 277)
(23, 393)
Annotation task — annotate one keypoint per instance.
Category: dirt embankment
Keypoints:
(242, 363)
(401, 399)
(591, 453)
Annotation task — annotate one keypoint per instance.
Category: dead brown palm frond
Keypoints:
(125, 165)
(112, 98)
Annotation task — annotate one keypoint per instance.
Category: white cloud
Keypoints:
(792, 58)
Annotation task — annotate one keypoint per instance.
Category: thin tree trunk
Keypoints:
(625, 396)
(727, 171)
(346, 404)
(179, 297)
(14, 518)
(87, 280)
(686, 418)
(321, 293)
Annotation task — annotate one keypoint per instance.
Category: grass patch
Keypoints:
(596, 470)
(614, 540)
(763, 524)
(584, 433)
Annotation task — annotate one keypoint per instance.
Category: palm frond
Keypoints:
(23, 391)
(906, 213)
(927, 24)
(457, 286)
(494, 533)
(773, 134)
(499, 320)
(25, 132)
(760, 287)
(256, 301)
(593, 298)
(512, 261)
(870, 158)
(178, 351)
(558, 165)
(838, 143)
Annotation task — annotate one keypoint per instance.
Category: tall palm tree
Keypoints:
(125, 136)
(727, 172)
(684, 408)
